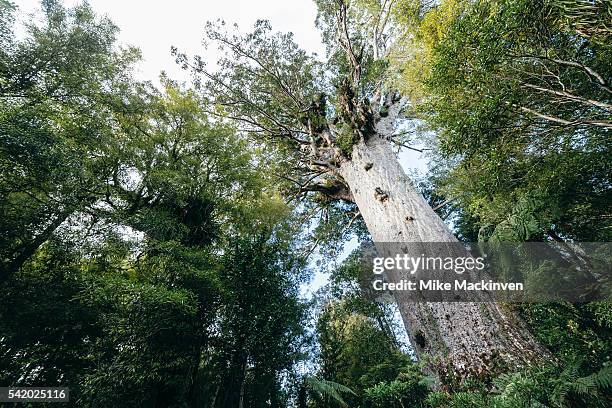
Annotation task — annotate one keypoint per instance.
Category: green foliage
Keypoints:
(59, 87)
(328, 390)
(103, 336)
(146, 259)
(409, 390)
(545, 386)
(521, 103)
(573, 333)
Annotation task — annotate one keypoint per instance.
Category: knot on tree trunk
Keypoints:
(380, 194)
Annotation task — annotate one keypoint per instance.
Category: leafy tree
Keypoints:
(260, 324)
(56, 86)
(529, 160)
(148, 262)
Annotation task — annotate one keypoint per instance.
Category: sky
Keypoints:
(154, 26)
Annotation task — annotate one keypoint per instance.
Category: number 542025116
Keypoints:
(34, 394)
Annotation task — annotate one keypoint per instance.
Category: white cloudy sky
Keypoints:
(155, 25)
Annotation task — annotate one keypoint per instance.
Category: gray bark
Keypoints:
(458, 339)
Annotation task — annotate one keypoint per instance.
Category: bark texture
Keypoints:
(458, 339)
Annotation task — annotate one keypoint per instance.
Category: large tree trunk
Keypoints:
(464, 339)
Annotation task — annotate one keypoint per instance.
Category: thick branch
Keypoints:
(30, 247)
(336, 191)
(386, 125)
(590, 71)
(345, 41)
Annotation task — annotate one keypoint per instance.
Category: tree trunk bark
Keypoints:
(458, 339)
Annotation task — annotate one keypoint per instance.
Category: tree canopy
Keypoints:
(522, 99)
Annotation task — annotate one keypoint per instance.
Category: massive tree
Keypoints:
(334, 124)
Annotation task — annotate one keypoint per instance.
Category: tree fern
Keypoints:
(603, 378)
(571, 385)
(326, 389)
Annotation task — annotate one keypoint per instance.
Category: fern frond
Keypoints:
(329, 389)
(603, 378)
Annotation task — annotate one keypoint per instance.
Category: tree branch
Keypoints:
(602, 123)
(572, 97)
(345, 41)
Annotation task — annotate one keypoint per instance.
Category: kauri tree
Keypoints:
(333, 124)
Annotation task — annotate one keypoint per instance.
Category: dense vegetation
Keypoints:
(144, 260)
(152, 250)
